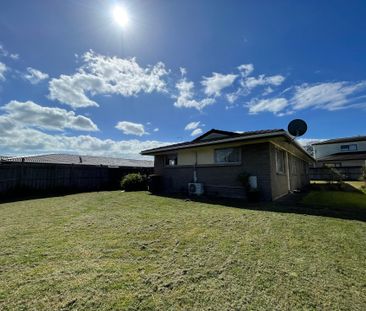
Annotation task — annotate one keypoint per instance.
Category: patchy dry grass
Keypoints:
(134, 251)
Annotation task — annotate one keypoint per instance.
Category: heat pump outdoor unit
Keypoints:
(195, 188)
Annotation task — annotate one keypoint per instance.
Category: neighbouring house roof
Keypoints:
(79, 160)
(342, 140)
(215, 136)
(345, 156)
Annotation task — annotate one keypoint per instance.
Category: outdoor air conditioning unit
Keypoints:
(195, 188)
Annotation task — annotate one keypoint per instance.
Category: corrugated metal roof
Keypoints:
(342, 140)
(344, 156)
(80, 160)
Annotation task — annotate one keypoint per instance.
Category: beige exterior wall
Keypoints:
(206, 155)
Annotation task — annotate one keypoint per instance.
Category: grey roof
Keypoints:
(342, 140)
(80, 160)
(227, 134)
(344, 156)
(227, 137)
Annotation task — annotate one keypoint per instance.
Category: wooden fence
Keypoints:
(18, 178)
(326, 173)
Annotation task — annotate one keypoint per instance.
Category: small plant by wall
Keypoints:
(134, 182)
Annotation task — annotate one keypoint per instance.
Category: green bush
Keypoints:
(134, 182)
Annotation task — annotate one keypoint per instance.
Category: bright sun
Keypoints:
(120, 16)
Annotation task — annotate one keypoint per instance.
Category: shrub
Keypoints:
(134, 182)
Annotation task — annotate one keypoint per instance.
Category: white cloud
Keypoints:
(22, 140)
(232, 97)
(267, 91)
(33, 115)
(246, 69)
(106, 75)
(130, 128)
(217, 82)
(275, 105)
(35, 76)
(262, 80)
(2, 71)
(309, 141)
(156, 129)
(192, 126)
(5, 53)
(14, 56)
(196, 132)
(183, 71)
(185, 96)
(329, 96)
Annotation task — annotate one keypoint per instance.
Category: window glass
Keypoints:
(351, 147)
(171, 160)
(280, 161)
(227, 155)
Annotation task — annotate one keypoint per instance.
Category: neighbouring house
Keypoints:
(66, 172)
(215, 159)
(344, 156)
(341, 152)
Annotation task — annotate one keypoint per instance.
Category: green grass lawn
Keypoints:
(336, 199)
(135, 251)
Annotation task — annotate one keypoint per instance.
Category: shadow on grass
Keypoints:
(25, 195)
(290, 204)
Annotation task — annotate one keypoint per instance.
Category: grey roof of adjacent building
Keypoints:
(342, 140)
(345, 156)
(79, 160)
(225, 138)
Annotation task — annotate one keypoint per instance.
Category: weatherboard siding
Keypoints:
(322, 151)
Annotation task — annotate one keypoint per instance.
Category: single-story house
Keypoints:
(214, 160)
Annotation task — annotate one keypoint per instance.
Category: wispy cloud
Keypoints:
(329, 96)
(192, 126)
(245, 69)
(185, 97)
(196, 132)
(3, 68)
(275, 105)
(217, 82)
(35, 76)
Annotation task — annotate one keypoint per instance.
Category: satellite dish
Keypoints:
(297, 127)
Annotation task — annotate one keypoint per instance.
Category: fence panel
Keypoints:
(36, 177)
(326, 173)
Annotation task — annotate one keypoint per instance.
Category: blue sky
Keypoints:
(73, 80)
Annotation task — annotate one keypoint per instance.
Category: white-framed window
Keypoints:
(350, 147)
(280, 161)
(227, 155)
(171, 160)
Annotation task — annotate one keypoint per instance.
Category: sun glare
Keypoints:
(120, 16)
